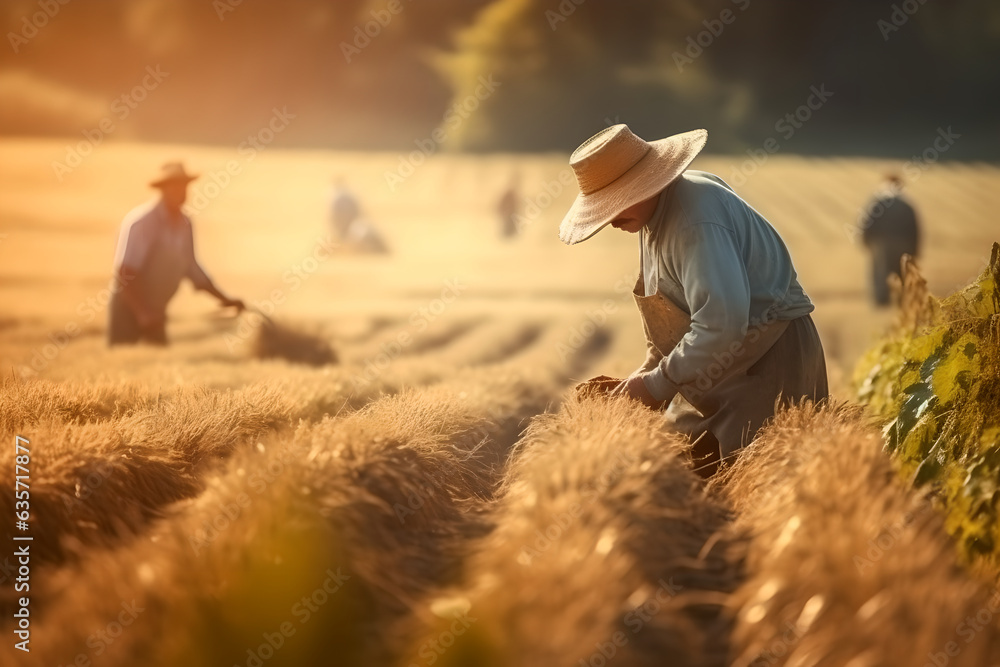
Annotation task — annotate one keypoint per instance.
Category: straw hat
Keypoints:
(615, 169)
(172, 172)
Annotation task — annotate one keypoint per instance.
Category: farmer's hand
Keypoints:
(602, 384)
(235, 303)
(147, 319)
(635, 388)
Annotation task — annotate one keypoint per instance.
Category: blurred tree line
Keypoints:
(385, 73)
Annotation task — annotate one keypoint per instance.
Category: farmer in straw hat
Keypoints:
(727, 324)
(155, 252)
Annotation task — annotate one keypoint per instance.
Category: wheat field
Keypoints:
(438, 495)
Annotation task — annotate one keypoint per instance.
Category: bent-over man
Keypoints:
(727, 324)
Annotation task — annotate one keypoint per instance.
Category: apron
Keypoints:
(784, 362)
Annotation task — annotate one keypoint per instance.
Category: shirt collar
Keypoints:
(164, 215)
(650, 230)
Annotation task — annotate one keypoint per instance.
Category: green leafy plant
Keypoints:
(936, 385)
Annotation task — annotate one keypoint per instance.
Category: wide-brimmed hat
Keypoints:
(172, 172)
(615, 169)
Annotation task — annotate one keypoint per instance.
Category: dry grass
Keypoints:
(602, 530)
(26, 404)
(376, 494)
(847, 566)
(216, 488)
(276, 340)
(108, 461)
(390, 493)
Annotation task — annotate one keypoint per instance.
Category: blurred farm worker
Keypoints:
(727, 325)
(361, 236)
(344, 209)
(507, 209)
(350, 228)
(889, 229)
(155, 252)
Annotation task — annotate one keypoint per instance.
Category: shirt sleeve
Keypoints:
(195, 273)
(134, 242)
(717, 290)
(866, 222)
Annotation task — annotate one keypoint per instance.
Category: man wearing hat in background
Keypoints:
(155, 252)
(727, 325)
(889, 230)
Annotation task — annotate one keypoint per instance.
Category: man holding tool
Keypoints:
(155, 252)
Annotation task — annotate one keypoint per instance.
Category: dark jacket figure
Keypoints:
(344, 210)
(889, 229)
(507, 209)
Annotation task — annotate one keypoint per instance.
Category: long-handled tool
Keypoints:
(273, 340)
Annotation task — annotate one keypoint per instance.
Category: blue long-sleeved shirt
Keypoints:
(713, 255)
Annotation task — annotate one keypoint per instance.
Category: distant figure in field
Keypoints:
(889, 229)
(155, 252)
(343, 209)
(349, 226)
(508, 207)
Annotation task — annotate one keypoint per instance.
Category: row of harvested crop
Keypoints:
(605, 549)
(308, 548)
